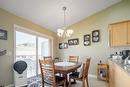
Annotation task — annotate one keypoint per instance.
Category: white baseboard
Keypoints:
(92, 76)
(11, 85)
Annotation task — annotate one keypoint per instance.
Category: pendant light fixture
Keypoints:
(64, 32)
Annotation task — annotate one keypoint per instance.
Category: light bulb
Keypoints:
(69, 32)
(60, 32)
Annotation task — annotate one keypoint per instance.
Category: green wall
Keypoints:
(7, 21)
(101, 20)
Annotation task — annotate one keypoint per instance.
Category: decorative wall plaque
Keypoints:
(95, 36)
(3, 34)
(73, 41)
(63, 45)
(87, 40)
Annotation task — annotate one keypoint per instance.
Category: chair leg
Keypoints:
(83, 83)
(69, 82)
(42, 84)
(87, 82)
(65, 83)
(74, 81)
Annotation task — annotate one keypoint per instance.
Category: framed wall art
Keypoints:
(95, 36)
(63, 45)
(3, 34)
(74, 41)
(87, 40)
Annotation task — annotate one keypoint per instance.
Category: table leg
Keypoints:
(66, 80)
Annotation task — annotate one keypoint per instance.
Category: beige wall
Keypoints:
(7, 20)
(97, 51)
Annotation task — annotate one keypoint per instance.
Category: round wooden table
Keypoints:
(66, 67)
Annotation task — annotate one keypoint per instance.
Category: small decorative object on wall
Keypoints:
(95, 36)
(63, 45)
(87, 40)
(73, 41)
(2, 52)
(3, 34)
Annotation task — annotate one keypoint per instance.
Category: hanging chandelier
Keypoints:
(64, 32)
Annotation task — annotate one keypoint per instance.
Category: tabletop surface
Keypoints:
(67, 69)
(65, 64)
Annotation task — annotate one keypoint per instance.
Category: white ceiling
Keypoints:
(49, 13)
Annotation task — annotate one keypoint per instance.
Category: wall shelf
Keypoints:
(2, 52)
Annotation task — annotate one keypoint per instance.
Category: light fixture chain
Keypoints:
(64, 34)
(64, 9)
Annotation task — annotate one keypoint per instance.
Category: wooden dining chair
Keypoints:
(73, 58)
(56, 59)
(84, 74)
(48, 74)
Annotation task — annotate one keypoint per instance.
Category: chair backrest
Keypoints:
(47, 71)
(86, 68)
(47, 57)
(56, 59)
(73, 58)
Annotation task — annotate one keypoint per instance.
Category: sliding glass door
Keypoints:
(26, 50)
(43, 49)
(31, 48)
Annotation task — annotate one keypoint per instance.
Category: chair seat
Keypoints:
(59, 78)
(74, 75)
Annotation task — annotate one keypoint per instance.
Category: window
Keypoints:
(30, 48)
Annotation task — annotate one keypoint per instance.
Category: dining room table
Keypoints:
(65, 68)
